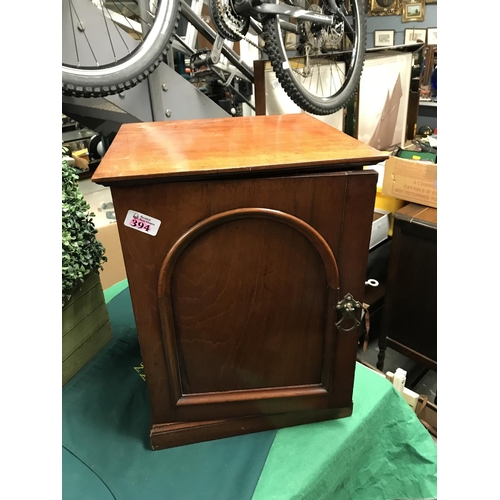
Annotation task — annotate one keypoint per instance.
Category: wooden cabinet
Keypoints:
(257, 228)
(409, 321)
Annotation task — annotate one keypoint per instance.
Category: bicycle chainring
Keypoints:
(229, 24)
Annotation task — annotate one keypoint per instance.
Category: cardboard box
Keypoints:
(410, 180)
(114, 268)
(101, 205)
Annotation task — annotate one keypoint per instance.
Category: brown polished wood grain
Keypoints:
(234, 298)
(285, 256)
(191, 148)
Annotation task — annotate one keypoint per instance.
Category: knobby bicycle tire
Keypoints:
(132, 70)
(277, 53)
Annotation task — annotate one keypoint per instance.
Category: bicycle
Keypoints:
(316, 47)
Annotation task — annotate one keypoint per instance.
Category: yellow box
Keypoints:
(388, 203)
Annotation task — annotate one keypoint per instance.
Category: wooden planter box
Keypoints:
(85, 327)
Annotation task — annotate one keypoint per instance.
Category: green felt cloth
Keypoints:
(105, 435)
(381, 452)
(80, 482)
(114, 290)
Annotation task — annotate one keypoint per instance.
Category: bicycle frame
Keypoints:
(293, 12)
(304, 15)
(204, 29)
(265, 9)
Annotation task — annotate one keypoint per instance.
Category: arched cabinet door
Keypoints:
(241, 343)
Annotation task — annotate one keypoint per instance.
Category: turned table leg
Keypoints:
(382, 345)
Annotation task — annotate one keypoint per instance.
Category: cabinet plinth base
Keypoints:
(181, 433)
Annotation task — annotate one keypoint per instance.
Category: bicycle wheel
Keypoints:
(109, 47)
(319, 66)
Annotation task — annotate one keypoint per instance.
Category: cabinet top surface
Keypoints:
(418, 214)
(182, 149)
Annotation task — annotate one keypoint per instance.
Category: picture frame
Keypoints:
(383, 38)
(432, 36)
(384, 7)
(431, 1)
(413, 35)
(412, 10)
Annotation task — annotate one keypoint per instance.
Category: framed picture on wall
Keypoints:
(415, 35)
(413, 10)
(383, 38)
(432, 36)
(384, 7)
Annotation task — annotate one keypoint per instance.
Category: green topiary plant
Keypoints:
(82, 253)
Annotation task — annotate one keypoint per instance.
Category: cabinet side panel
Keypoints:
(142, 266)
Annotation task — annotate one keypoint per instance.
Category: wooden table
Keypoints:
(409, 321)
(240, 237)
